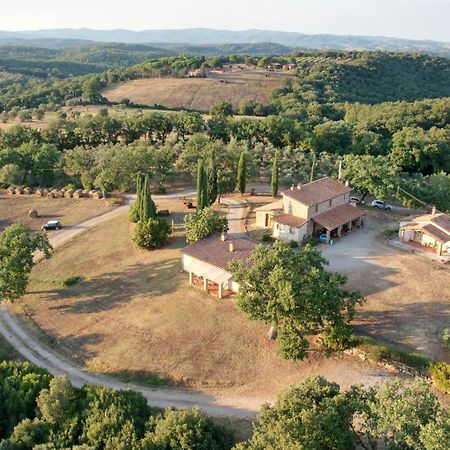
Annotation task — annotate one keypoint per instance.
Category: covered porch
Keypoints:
(213, 280)
(426, 238)
(338, 222)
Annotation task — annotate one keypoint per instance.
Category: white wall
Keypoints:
(286, 233)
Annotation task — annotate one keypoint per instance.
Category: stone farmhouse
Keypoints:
(321, 207)
(428, 232)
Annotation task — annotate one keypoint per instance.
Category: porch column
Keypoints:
(328, 236)
(220, 290)
(440, 248)
(190, 278)
(339, 231)
(205, 284)
(402, 236)
(350, 226)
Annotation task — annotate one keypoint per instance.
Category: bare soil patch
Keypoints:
(198, 94)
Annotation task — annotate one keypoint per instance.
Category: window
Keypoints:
(291, 231)
(316, 208)
(330, 203)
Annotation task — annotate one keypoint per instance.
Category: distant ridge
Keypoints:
(207, 36)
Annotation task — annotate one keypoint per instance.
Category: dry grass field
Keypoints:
(134, 315)
(70, 211)
(199, 94)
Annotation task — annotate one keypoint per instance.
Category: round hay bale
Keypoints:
(69, 193)
(11, 191)
(45, 192)
(78, 194)
(51, 194)
(85, 193)
(92, 192)
(33, 214)
(97, 195)
(28, 191)
(39, 192)
(59, 194)
(19, 190)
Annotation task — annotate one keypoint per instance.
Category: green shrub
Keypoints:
(337, 338)
(440, 374)
(266, 238)
(117, 201)
(293, 244)
(151, 234)
(445, 337)
(71, 281)
(203, 224)
(390, 233)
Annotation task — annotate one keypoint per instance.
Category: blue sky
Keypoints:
(417, 19)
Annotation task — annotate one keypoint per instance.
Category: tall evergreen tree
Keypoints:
(275, 175)
(134, 213)
(202, 186)
(213, 188)
(242, 173)
(148, 208)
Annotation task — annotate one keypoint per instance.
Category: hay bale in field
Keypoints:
(51, 194)
(28, 191)
(91, 193)
(97, 195)
(59, 194)
(45, 192)
(39, 193)
(11, 191)
(69, 193)
(78, 194)
(33, 214)
(19, 190)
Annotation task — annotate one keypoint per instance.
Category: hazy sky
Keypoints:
(418, 19)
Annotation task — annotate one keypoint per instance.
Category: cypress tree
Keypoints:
(275, 175)
(202, 186)
(148, 209)
(134, 213)
(213, 188)
(242, 173)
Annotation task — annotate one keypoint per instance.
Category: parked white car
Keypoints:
(356, 200)
(380, 204)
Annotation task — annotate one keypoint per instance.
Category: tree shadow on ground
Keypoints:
(111, 290)
(416, 326)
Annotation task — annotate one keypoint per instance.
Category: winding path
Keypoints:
(30, 347)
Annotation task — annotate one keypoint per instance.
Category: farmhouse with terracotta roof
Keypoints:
(320, 207)
(207, 261)
(431, 231)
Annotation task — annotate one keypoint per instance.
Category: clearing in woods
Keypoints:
(134, 316)
(199, 94)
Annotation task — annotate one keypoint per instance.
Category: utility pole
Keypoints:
(340, 168)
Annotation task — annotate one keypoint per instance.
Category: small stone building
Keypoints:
(206, 261)
(430, 231)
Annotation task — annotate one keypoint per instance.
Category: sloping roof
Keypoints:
(442, 221)
(278, 204)
(439, 221)
(318, 191)
(216, 252)
(436, 233)
(290, 220)
(338, 216)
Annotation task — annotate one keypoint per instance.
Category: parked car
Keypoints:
(52, 225)
(356, 200)
(380, 204)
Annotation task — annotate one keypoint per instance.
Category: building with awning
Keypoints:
(206, 261)
(321, 207)
(430, 231)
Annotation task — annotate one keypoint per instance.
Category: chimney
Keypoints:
(223, 236)
(231, 246)
(299, 186)
(347, 183)
(433, 210)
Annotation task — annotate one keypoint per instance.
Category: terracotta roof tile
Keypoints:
(290, 220)
(318, 191)
(442, 221)
(217, 253)
(436, 233)
(338, 216)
